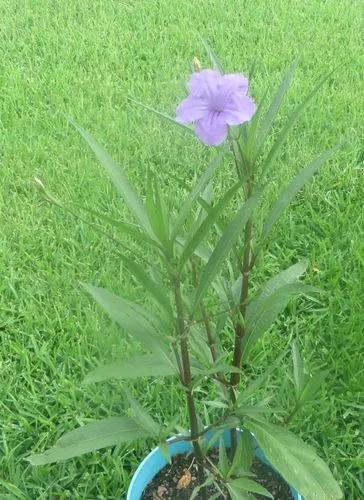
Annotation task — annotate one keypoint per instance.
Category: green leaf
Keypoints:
(239, 494)
(289, 192)
(197, 489)
(119, 179)
(249, 146)
(229, 237)
(296, 461)
(298, 371)
(157, 210)
(100, 434)
(162, 115)
(289, 124)
(163, 446)
(289, 275)
(313, 385)
(269, 311)
(244, 455)
(200, 185)
(213, 57)
(244, 484)
(274, 107)
(155, 289)
(216, 404)
(248, 450)
(135, 320)
(216, 368)
(141, 416)
(146, 365)
(201, 231)
(223, 459)
(125, 227)
(257, 383)
(237, 462)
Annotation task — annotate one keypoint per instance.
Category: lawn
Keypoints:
(84, 58)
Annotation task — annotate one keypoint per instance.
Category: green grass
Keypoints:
(83, 58)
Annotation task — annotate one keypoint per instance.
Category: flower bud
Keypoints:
(196, 65)
(38, 183)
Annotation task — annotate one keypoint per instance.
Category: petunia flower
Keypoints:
(214, 102)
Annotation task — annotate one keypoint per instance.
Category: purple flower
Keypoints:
(214, 102)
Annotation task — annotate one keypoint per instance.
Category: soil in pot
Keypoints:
(178, 480)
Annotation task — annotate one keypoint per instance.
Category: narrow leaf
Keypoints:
(313, 385)
(146, 365)
(223, 459)
(269, 311)
(291, 120)
(239, 494)
(135, 320)
(200, 185)
(292, 189)
(200, 233)
(248, 450)
(229, 237)
(118, 178)
(244, 484)
(157, 210)
(162, 115)
(273, 109)
(296, 461)
(125, 227)
(289, 275)
(141, 416)
(298, 371)
(107, 432)
(237, 462)
(155, 289)
(213, 57)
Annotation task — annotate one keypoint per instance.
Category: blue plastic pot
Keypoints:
(155, 462)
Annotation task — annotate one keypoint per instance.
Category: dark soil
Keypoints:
(177, 481)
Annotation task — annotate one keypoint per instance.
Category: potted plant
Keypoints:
(207, 314)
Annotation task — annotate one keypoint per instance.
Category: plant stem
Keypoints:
(186, 380)
(205, 319)
(245, 270)
(209, 333)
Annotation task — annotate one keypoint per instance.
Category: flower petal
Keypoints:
(239, 109)
(234, 82)
(212, 129)
(204, 83)
(228, 86)
(191, 109)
